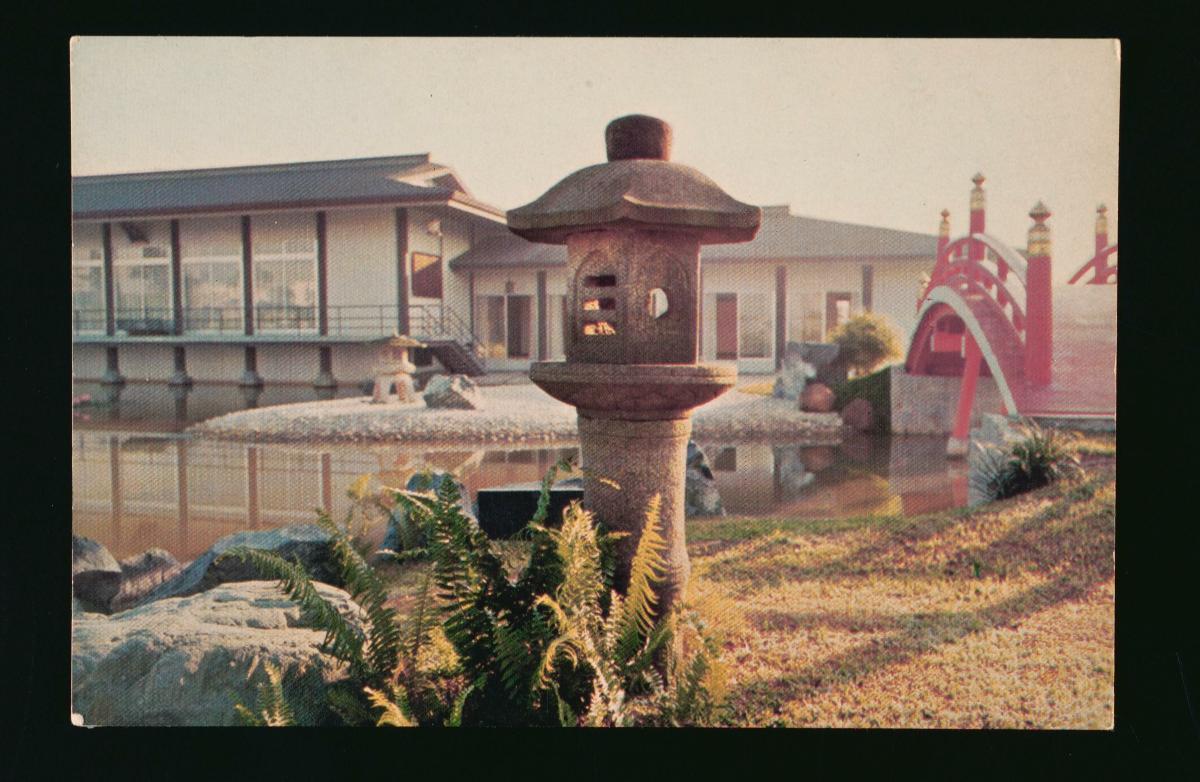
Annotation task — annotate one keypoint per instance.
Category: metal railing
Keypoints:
(357, 321)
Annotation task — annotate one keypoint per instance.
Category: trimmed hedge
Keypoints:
(876, 388)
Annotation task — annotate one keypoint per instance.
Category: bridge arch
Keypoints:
(941, 302)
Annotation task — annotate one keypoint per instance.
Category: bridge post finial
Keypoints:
(1038, 300)
(977, 220)
(1101, 227)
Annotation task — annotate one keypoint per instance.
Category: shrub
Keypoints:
(551, 645)
(1040, 457)
(876, 388)
(865, 340)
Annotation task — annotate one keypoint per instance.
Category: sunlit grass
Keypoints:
(1000, 616)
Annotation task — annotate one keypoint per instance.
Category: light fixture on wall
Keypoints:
(434, 228)
(134, 232)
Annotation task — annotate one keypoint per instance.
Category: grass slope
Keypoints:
(1000, 617)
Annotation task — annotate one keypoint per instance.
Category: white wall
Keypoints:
(295, 363)
(88, 362)
(741, 279)
(216, 363)
(146, 362)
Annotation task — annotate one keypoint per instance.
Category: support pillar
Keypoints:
(780, 315)
(181, 483)
(327, 483)
(252, 487)
(960, 437)
(402, 326)
(325, 379)
(180, 394)
(114, 477)
(659, 469)
(1038, 301)
(112, 372)
(250, 376)
(180, 378)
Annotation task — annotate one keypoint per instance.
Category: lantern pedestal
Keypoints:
(635, 421)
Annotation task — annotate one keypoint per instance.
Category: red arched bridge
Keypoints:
(991, 311)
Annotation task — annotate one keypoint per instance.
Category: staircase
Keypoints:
(448, 338)
(458, 358)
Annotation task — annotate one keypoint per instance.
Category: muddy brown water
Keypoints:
(140, 481)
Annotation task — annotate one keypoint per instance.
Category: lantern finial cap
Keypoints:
(638, 136)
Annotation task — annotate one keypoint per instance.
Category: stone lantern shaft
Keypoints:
(633, 228)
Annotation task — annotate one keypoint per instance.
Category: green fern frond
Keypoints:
(392, 716)
(342, 640)
(646, 570)
(366, 589)
(273, 710)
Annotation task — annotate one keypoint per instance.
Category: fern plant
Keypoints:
(272, 709)
(550, 645)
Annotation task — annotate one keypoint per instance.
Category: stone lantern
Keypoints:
(394, 367)
(633, 228)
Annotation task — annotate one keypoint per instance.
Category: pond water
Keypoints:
(140, 481)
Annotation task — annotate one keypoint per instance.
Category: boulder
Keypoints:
(453, 392)
(817, 398)
(95, 574)
(794, 476)
(859, 415)
(186, 661)
(422, 481)
(142, 574)
(306, 542)
(700, 495)
(824, 358)
(794, 375)
(147, 562)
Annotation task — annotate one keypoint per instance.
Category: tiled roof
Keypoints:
(509, 251)
(782, 236)
(331, 182)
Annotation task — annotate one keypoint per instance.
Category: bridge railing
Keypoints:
(1000, 274)
(1104, 271)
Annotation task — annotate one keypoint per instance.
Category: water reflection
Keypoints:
(140, 482)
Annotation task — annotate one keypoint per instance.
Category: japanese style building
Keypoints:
(294, 273)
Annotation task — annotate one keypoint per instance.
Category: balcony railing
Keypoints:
(354, 321)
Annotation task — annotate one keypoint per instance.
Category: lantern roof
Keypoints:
(639, 187)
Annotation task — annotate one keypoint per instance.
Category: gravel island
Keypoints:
(514, 413)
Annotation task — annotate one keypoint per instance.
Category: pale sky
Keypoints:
(878, 131)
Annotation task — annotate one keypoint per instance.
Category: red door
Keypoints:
(727, 344)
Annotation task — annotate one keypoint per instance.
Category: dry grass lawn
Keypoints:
(1000, 617)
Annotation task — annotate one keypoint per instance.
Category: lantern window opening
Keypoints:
(657, 304)
(600, 281)
(596, 305)
(600, 328)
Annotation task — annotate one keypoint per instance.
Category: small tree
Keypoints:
(866, 341)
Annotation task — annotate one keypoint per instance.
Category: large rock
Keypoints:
(859, 415)
(817, 398)
(700, 495)
(455, 392)
(825, 359)
(186, 661)
(794, 375)
(306, 542)
(95, 574)
(142, 573)
(422, 481)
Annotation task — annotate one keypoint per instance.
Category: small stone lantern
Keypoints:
(633, 228)
(394, 367)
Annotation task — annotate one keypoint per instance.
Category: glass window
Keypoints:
(142, 277)
(520, 326)
(87, 298)
(284, 251)
(211, 257)
(754, 325)
(490, 317)
(426, 276)
(804, 318)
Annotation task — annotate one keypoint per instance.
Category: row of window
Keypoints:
(285, 281)
(742, 321)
